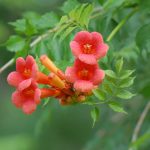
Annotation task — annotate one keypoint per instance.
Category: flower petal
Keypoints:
(29, 62)
(75, 47)
(14, 78)
(70, 74)
(24, 84)
(98, 76)
(96, 38)
(101, 50)
(17, 99)
(29, 107)
(88, 59)
(20, 65)
(37, 95)
(83, 37)
(34, 71)
(83, 86)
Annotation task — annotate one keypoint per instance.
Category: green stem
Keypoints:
(118, 27)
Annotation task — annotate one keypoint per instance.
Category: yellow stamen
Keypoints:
(29, 92)
(27, 72)
(87, 48)
(83, 73)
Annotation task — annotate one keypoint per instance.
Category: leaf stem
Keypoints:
(122, 22)
(43, 36)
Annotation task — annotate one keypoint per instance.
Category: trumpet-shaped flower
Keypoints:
(25, 69)
(84, 76)
(27, 96)
(88, 47)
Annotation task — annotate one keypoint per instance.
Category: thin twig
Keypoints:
(43, 36)
(9, 63)
(140, 122)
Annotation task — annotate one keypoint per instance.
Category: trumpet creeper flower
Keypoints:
(88, 47)
(84, 76)
(27, 96)
(25, 69)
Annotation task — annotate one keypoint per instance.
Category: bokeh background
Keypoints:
(53, 127)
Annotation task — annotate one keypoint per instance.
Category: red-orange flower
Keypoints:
(88, 47)
(27, 96)
(25, 69)
(84, 76)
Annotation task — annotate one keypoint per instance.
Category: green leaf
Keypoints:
(24, 26)
(126, 82)
(48, 20)
(15, 43)
(116, 107)
(111, 80)
(110, 73)
(126, 73)
(30, 28)
(66, 33)
(81, 14)
(32, 17)
(143, 37)
(20, 25)
(63, 20)
(108, 88)
(119, 65)
(124, 94)
(69, 5)
(85, 17)
(99, 94)
(61, 29)
(76, 12)
(95, 115)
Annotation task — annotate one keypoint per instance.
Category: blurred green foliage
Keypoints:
(54, 127)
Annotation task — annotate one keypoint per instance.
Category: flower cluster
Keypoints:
(26, 79)
(70, 87)
(87, 49)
